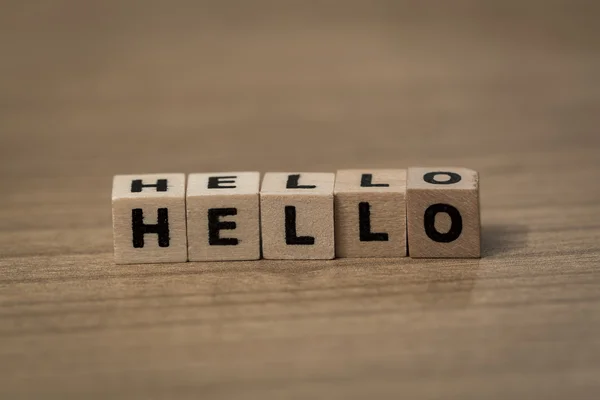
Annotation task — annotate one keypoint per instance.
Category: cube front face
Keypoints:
(149, 221)
(223, 216)
(443, 213)
(297, 217)
(370, 213)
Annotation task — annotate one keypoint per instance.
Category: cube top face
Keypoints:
(298, 183)
(370, 181)
(148, 186)
(442, 178)
(223, 183)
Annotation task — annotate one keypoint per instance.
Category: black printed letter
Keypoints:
(364, 218)
(214, 182)
(367, 179)
(430, 178)
(137, 185)
(140, 229)
(214, 226)
(292, 183)
(290, 229)
(455, 227)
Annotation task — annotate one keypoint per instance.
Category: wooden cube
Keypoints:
(223, 216)
(370, 213)
(149, 224)
(297, 216)
(443, 213)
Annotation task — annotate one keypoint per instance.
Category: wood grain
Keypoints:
(90, 90)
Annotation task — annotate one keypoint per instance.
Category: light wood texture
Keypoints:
(229, 207)
(149, 222)
(372, 202)
(296, 216)
(443, 213)
(93, 89)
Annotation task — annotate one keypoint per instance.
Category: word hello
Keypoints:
(424, 212)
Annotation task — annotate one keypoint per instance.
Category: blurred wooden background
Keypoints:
(92, 89)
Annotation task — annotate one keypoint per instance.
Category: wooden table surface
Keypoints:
(92, 89)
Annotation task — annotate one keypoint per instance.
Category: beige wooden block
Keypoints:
(297, 216)
(443, 213)
(149, 224)
(370, 213)
(223, 216)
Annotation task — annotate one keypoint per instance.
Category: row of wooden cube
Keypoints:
(354, 213)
